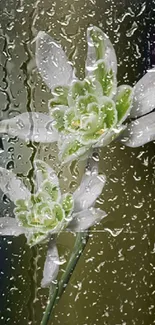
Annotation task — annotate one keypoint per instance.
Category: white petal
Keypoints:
(12, 186)
(140, 131)
(109, 54)
(44, 172)
(51, 267)
(144, 95)
(10, 227)
(90, 188)
(30, 127)
(86, 219)
(52, 62)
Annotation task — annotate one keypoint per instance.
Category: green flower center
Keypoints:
(45, 212)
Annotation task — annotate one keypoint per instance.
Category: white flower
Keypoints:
(89, 113)
(42, 215)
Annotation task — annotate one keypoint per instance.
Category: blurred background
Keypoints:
(114, 281)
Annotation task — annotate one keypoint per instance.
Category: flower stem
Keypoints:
(79, 246)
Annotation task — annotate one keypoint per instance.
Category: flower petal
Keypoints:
(12, 186)
(51, 267)
(60, 96)
(67, 203)
(44, 172)
(144, 95)
(106, 78)
(52, 62)
(10, 227)
(57, 115)
(140, 131)
(99, 47)
(36, 237)
(70, 148)
(30, 127)
(110, 136)
(86, 219)
(123, 101)
(90, 188)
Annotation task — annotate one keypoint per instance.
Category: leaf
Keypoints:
(52, 62)
(10, 227)
(144, 95)
(85, 219)
(12, 186)
(90, 188)
(30, 127)
(123, 101)
(51, 267)
(140, 131)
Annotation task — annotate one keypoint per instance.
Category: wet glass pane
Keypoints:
(114, 280)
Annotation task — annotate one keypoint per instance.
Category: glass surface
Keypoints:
(114, 281)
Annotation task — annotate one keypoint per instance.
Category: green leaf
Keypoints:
(123, 101)
(105, 77)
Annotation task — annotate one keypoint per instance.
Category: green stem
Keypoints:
(79, 246)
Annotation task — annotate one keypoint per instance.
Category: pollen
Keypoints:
(101, 131)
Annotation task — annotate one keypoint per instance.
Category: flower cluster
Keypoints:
(83, 115)
(89, 113)
(42, 215)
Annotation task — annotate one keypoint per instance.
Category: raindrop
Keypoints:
(115, 232)
(132, 30)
